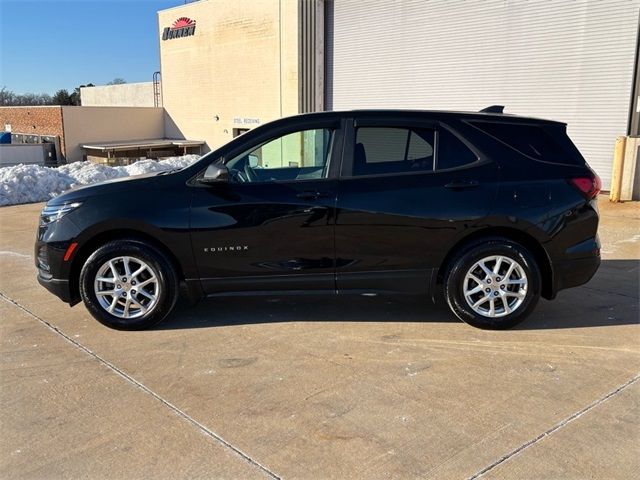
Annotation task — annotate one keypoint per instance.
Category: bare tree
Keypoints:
(10, 98)
(6, 96)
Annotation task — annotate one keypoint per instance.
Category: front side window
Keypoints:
(384, 150)
(300, 155)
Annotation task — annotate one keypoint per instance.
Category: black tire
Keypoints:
(165, 290)
(471, 254)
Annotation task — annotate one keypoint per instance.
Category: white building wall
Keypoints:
(125, 95)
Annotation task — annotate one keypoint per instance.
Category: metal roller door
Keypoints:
(571, 61)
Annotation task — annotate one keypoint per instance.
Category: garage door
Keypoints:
(567, 61)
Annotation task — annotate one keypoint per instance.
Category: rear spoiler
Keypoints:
(493, 109)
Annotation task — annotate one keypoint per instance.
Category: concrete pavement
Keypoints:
(322, 387)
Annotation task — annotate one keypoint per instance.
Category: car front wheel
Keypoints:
(494, 283)
(128, 285)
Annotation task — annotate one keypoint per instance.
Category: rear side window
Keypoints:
(382, 150)
(452, 153)
(544, 143)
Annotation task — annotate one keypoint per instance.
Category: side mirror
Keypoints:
(215, 173)
(253, 161)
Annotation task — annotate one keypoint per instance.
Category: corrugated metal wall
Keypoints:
(311, 55)
(571, 61)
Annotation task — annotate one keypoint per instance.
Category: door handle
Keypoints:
(311, 195)
(460, 184)
(315, 209)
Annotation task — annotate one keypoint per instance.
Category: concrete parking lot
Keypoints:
(322, 387)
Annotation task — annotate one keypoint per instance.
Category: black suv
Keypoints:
(491, 210)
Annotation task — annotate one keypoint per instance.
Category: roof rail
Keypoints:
(493, 109)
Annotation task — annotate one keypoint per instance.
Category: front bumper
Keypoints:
(53, 271)
(60, 288)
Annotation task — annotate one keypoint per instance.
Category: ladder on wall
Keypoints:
(156, 89)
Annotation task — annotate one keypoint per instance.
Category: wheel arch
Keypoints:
(526, 240)
(90, 245)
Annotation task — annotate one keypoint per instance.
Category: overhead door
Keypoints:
(571, 61)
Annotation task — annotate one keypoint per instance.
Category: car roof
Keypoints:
(430, 114)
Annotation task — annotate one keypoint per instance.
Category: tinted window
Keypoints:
(452, 152)
(381, 150)
(546, 143)
(296, 156)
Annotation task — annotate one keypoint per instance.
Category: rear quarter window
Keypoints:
(452, 153)
(545, 143)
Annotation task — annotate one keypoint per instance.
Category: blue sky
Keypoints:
(46, 45)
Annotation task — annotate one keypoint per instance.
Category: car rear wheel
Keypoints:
(128, 285)
(494, 283)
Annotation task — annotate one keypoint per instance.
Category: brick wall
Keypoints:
(34, 121)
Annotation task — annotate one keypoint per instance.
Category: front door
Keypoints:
(271, 227)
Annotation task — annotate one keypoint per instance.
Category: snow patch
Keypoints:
(35, 183)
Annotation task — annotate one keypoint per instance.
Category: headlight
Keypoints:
(53, 213)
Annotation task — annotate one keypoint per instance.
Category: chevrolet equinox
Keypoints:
(489, 210)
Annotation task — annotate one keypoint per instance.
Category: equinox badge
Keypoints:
(237, 248)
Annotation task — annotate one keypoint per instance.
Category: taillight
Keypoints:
(588, 186)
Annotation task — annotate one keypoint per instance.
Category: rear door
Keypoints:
(408, 191)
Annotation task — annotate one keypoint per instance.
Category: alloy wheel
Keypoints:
(126, 287)
(495, 286)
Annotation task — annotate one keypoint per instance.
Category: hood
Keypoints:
(137, 182)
